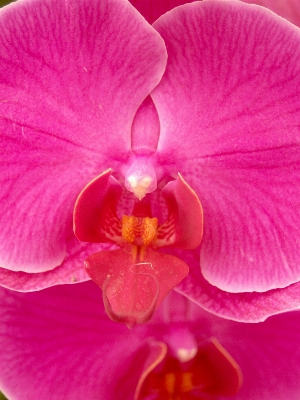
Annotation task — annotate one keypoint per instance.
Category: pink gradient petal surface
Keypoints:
(133, 291)
(72, 77)
(229, 111)
(59, 346)
(268, 355)
(288, 9)
(61, 337)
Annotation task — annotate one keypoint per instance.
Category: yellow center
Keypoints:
(170, 380)
(178, 383)
(138, 230)
(187, 384)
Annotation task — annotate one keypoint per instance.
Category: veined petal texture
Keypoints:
(72, 75)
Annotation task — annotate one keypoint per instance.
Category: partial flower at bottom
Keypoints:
(59, 344)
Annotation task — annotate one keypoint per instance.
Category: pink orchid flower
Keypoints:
(210, 91)
(59, 344)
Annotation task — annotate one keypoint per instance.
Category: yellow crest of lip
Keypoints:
(140, 231)
(185, 383)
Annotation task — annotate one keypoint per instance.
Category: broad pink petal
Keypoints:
(133, 291)
(59, 344)
(242, 307)
(95, 214)
(73, 75)
(268, 355)
(229, 111)
(288, 9)
(184, 226)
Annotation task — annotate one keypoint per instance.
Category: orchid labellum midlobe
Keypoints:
(210, 90)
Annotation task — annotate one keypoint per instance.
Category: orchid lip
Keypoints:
(131, 312)
(136, 278)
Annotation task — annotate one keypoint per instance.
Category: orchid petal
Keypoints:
(58, 345)
(229, 110)
(184, 226)
(132, 291)
(266, 356)
(95, 214)
(73, 75)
